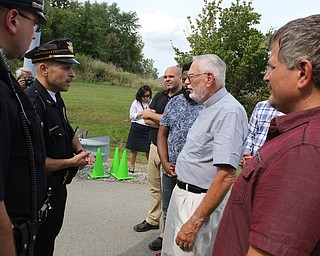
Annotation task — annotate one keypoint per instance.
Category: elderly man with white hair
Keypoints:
(206, 166)
(25, 77)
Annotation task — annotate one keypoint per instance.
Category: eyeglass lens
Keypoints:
(37, 26)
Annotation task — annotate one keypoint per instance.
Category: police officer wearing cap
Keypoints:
(22, 146)
(64, 155)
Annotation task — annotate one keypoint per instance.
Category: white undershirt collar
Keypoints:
(53, 95)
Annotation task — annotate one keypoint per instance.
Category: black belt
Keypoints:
(191, 188)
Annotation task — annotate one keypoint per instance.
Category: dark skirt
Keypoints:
(138, 139)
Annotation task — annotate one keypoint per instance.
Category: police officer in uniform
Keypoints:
(64, 155)
(21, 151)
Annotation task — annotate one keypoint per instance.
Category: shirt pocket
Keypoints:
(244, 182)
(56, 131)
(57, 136)
(195, 146)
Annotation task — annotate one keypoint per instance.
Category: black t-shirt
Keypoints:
(159, 103)
(14, 158)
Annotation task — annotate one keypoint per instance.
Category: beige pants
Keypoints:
(154, 216)
(182, 206)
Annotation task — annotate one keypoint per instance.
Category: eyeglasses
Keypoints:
(145, 96)
(37, 26)
(170, 76)
(191, 77)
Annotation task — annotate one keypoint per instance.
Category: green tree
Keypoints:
(231, 34)
(148, 70)
(92, 29)
(60, 3)
(98, 30)
(125, 26)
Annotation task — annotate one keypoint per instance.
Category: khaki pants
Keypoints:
(154, 216)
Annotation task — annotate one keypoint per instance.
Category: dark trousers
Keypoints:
(167, 188)
(50, 228)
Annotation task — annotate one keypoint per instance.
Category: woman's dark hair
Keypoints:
(142, 90)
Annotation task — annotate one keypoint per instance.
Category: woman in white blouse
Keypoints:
(138, 139)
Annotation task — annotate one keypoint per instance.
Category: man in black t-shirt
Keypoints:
(152, 116)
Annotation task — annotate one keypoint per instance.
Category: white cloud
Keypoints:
(159, 30)
(165, 21)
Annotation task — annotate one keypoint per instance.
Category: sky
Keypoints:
(164, 22)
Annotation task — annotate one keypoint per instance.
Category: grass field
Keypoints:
(103, 110)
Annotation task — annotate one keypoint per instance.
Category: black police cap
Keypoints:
(60, 50)
(36, 6)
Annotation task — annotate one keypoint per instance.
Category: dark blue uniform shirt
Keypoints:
(14, 159)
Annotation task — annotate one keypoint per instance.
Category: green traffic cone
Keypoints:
(115, 162)
(98, 169)
(122, 173)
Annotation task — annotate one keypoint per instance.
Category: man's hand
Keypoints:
(254, 251)
(217, 191)
(151, 123)
(79, 160)
(170, 169)
(22, 83)
(148, 113)
(151, 118)
(246, 156)
(90, 159)
(82, 159)
(187, 235)
(6, 234)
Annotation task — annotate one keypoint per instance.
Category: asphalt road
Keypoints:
(99, 219)
(100, 216)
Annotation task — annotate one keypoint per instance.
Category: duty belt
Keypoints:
(190, 187)
(58, 180)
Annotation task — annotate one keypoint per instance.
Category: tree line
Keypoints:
(101, 31)
(231, 33)
(104, 32)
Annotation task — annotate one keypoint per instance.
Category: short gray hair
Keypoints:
(213, 64)
(23, 69)
(300, 39)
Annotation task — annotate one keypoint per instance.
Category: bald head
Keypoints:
(173, 70)
(172, 79)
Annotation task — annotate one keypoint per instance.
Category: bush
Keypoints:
(91, 70)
